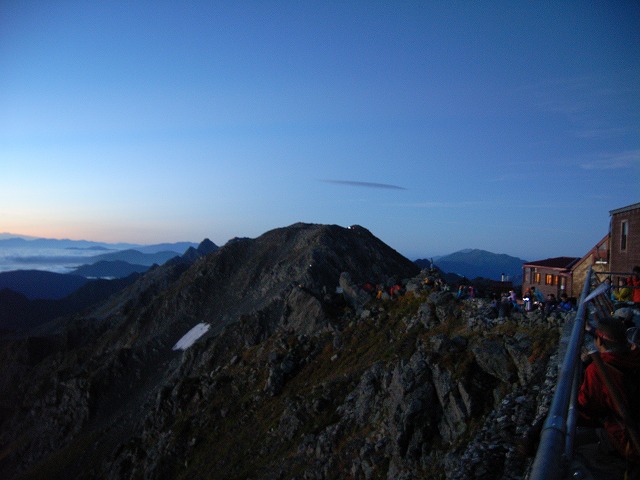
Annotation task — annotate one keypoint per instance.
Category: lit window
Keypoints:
(537, 277)
(548, 279)
(624, 231)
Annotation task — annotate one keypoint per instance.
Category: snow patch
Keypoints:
(191, 336)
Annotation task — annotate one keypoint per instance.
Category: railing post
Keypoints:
(572, 414)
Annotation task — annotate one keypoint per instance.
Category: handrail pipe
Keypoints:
(551, 458)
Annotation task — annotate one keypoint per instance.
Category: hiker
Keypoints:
(537, 297)
(370, 288)
(513, 298)
(600, 416)
(622, 293)
(395, 291)
(634, 282)
(527, 300)
(609, 290)
(551, 304)
(565, 304)
(504, 308)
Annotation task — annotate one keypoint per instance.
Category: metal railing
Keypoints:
(555, 450)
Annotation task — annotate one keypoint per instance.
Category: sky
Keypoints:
(509, 126)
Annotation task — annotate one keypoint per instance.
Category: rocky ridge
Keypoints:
(293, 380)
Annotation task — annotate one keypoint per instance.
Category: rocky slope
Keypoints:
(293, 380)
(17, 312)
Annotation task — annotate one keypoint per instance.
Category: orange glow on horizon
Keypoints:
(94, 233)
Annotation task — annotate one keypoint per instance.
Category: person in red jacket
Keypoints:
(596, 404)
(634, 282)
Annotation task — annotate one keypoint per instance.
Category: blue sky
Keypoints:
(512, 127)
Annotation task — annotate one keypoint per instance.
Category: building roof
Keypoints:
(557, 262)
(597, 251)
(624, 209)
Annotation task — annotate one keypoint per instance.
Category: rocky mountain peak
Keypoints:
(206, 247)
(314, 381)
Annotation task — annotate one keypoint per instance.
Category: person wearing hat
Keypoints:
(596, 404)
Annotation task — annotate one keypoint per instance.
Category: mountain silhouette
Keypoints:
(474, 263)
(191, 254)
(135, 257)
(112, 269)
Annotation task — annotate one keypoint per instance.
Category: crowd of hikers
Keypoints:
(607, 437)
(608, 403)
(628, 289)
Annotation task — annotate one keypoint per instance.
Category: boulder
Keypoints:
(455, 404)
(354, 295)
(493, 358)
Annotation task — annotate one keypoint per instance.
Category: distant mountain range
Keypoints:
(474, 263)
(65, 256)
(18, 241)
(120, 260)
(136, 257)
(124, 263)
(31, 297)
(43, 284)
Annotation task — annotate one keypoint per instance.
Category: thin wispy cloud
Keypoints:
(434, 205)
(614, 161)
(352, 183)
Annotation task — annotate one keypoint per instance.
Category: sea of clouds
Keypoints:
(60, 260)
